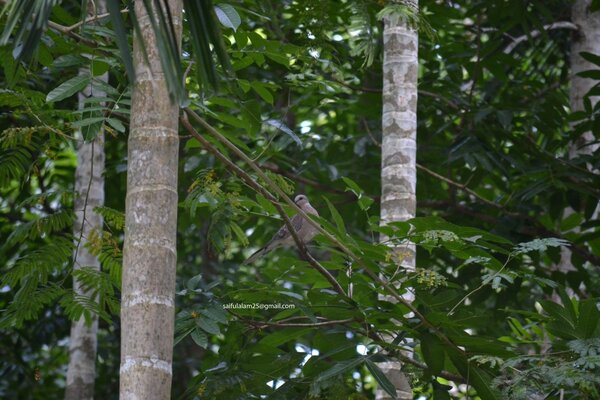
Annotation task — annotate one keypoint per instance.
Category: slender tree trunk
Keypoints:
(398, 152)
(89, 192)
(585, 39)
(149, 256)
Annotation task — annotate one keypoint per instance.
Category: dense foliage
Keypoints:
(493, 310)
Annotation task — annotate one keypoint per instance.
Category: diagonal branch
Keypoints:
(382, 281)
(256, 186)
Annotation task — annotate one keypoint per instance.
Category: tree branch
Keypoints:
(462, 187)
(252, 183)
(280, 171)
(532, 35)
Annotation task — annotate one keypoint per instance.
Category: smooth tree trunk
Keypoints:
(398, 153)
(585, 39)
(89, 193)
(149, 255)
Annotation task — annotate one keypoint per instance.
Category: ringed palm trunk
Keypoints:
(89, 192)
(398, 153)
(149, 255)
(585, 39)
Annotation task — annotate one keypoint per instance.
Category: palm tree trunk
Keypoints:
(585, 39)
(149, 255)
(89, 192)
(398, 152)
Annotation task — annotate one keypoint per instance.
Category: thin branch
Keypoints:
(252, 183)
(532, 35)
(65, 30)
(395, 351)
(91, 19)
(325, 188)
(439, 97)
(462, 187)
(262, 324)
(531, 226)
(375, 141)
(478, 288)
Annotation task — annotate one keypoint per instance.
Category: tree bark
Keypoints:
(398, 152)
(89, 193)
(149, 255)
(585, 39)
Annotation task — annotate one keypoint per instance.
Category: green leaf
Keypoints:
(200, 338)
(228, 16)
(340, 368)
(208, 325)
(262, 91)
(380, 377)
(68, 88)
(593, 58)
(433, 353)
(353, 186)
(215, 313)
(589, 317)
(481, 380)
(283, 127)
(284, 336)
(115, 123)
(339, 221)
(558, 312)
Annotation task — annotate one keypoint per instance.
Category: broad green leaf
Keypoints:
(115, 123)
(68, 88)
(208, 325)
(200, 338)
(262, 91)
(339, 221)
(183, 335)
(228, 16)
(589, 318)
(340, 368)
(433, 353)
(278, 338)
(381, 379)
(558, 312)
(481, 380)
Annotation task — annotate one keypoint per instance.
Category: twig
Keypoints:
(263, 324)
(555, 25)
(65, 30)
(91, 19)
(438, 97)
(251, 182)
(325, 188)
(460, 186)
(375, 141)
(478, 288)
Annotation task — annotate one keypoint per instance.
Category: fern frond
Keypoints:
(39, 263)
(76, 306)
(363, 41)
(112, 217)
(41, 227)
(14, 163)
(100, 289)
(28, 302)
